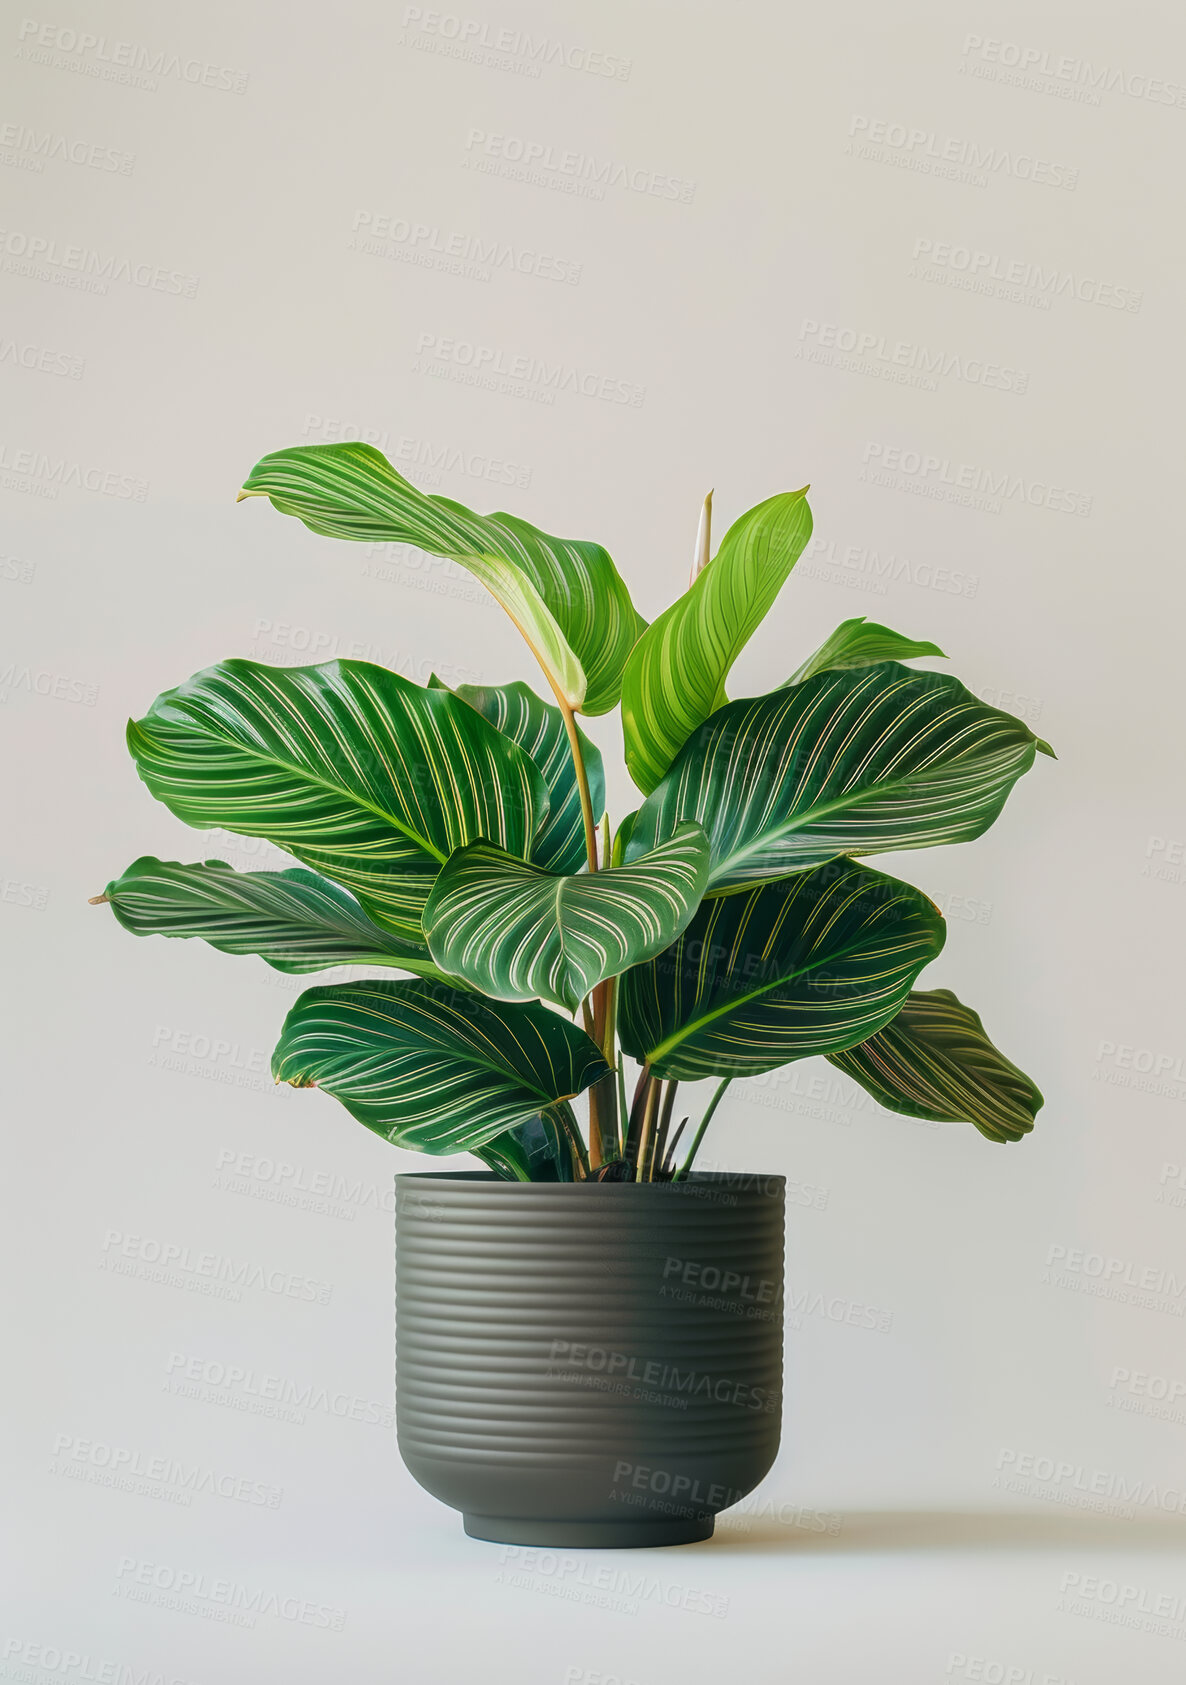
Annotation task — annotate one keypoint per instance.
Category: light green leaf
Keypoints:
(516, 932)
(434, 1069)
(810, 964)
(675, 677)
(934, 1061)
(295, 920)
(860, 643)
(538, 728)
(565, 595)
(362, 775)
(855, 762)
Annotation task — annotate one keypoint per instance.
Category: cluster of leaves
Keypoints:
(724, 929)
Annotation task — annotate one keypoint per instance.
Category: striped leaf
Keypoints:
(847, 763)
(675, 677)
(435, 1069)
(934, 1061)
(516, 932)
(810, 964)
(538, 728)
(565, 595)
(362, 775)
(295, 920)
(860, 643)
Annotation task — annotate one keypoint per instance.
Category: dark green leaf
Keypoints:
(435, 1069)
(934, 1061)
(859, 762)
(810, 964)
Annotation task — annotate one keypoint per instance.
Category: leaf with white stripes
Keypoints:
(361, 774)
(435, 1069)
(810, 964)
(296, 920)
(675, 677)
(538, 728)
(565, 595)
(853, 762)
(934, 1061)
(516, 932)
(861, 643)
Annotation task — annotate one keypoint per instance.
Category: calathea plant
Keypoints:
(726, 927)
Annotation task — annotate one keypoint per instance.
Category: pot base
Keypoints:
(586, 1535)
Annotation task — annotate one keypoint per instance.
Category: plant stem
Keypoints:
(580, 1157)
(703, 1125)
(660, 1142)
(648, 1130)
(578, 761)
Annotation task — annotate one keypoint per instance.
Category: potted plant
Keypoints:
(589, 1336)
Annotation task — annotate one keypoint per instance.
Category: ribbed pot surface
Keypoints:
(591, 1363)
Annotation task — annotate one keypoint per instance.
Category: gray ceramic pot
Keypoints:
(591, 1363)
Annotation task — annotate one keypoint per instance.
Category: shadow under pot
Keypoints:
(589, 1363)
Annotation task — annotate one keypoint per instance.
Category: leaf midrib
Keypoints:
(325, 784)
(678, 1037)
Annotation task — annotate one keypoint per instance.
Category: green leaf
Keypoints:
(934, 1061)
(847, 763)
(538, 728)
(516, 932)
(860, 643)
(810, 964)
(362, 775)
(435, 1069)
(675, 677)
(538, 1151)
(565, 595)
(296, 920)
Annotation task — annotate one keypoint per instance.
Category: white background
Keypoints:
(234, 228)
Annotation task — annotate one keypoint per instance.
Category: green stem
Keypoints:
(578, 761)
(699, 1136)
(577, 1145)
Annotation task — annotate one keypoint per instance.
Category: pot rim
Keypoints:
(735, 1181)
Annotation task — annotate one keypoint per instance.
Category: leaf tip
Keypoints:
(1044, 748)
